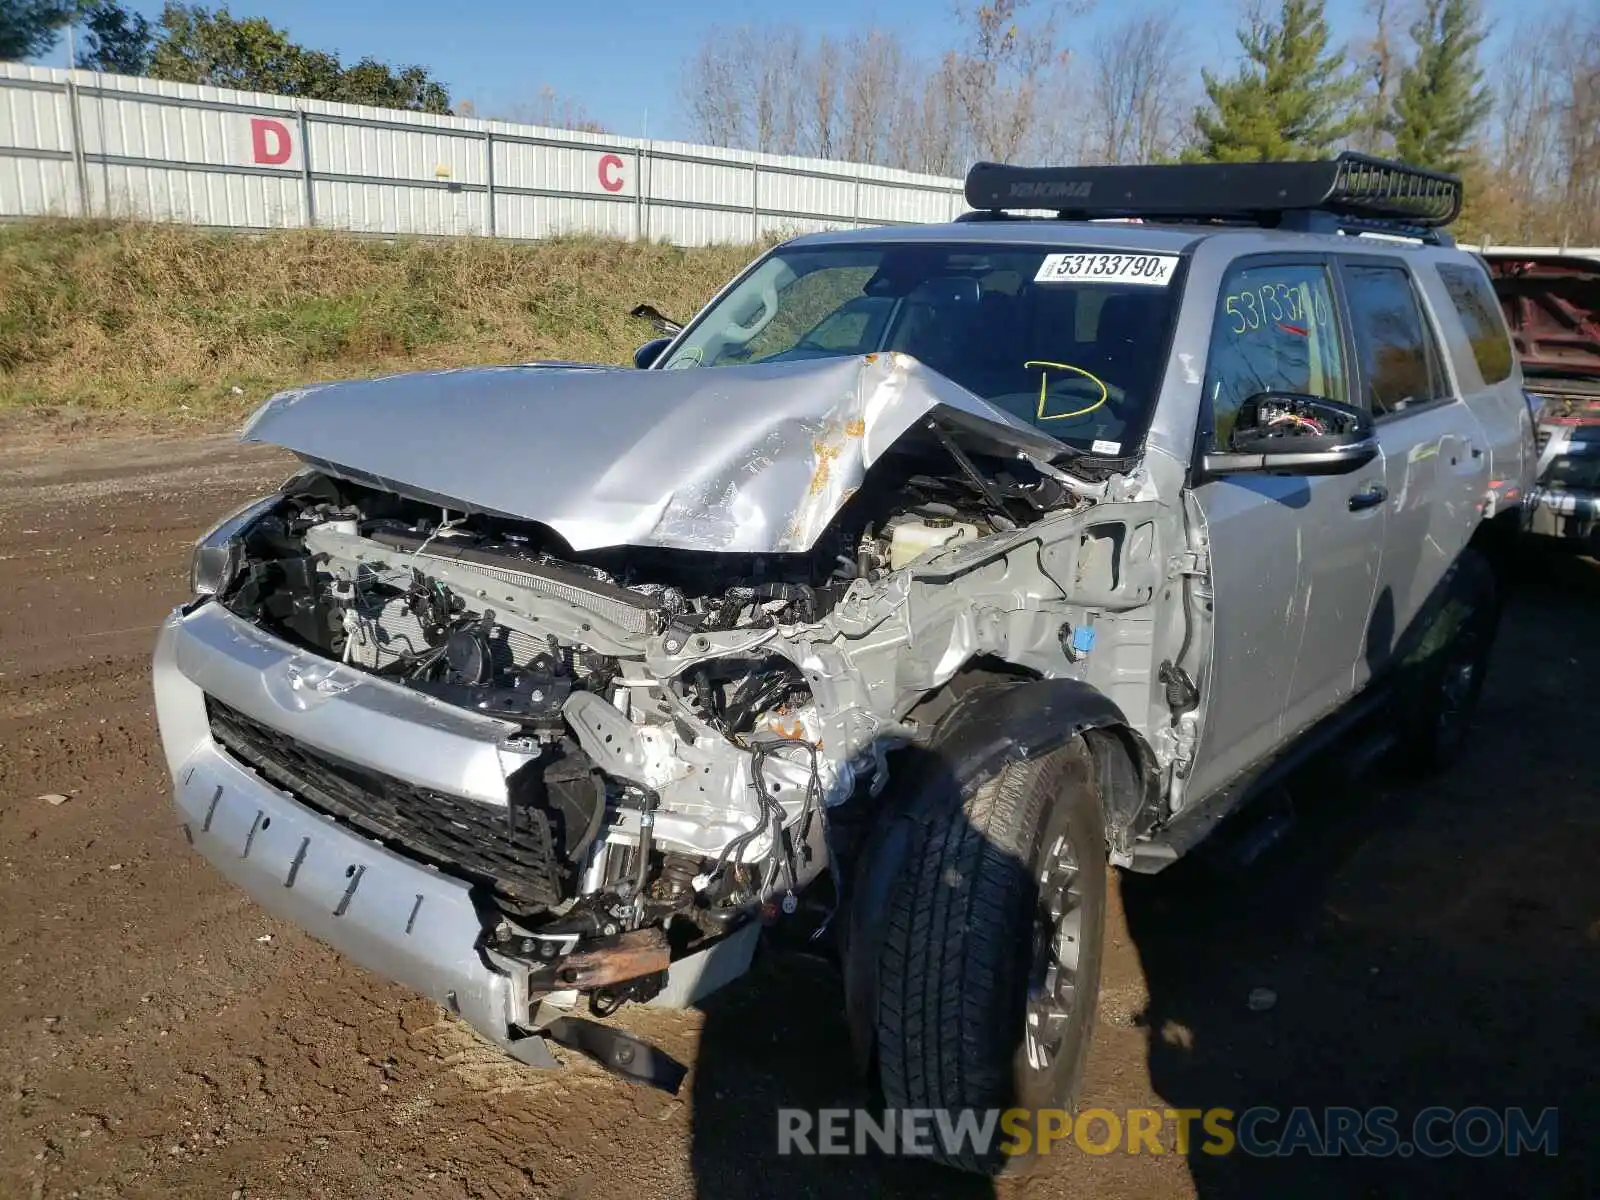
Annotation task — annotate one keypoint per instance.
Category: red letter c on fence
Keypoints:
(611, 172)
(269, 141)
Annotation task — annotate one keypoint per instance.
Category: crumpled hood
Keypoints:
(754, 458)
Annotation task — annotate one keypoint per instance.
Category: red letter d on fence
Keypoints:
(269, 141)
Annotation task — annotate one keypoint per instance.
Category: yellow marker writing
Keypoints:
(1044, 386)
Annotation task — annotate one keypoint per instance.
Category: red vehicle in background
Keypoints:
(1551, 301)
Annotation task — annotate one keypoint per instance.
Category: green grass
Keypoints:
(103, 323)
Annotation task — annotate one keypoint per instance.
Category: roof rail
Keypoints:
(1353, 190)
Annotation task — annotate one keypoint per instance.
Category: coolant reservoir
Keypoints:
(912, 539)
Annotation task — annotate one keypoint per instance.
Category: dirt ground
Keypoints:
(160, 1035)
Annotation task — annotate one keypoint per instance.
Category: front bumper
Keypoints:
(396, 917)
(402, 919)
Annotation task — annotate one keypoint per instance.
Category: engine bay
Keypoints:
(427, 615)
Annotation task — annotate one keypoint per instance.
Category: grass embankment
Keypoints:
(120, 324)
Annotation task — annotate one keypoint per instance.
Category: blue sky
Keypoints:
(621, 58)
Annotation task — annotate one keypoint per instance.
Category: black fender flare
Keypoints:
(984, 730)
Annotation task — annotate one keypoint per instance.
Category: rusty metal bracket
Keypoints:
(593, 964)
(604, 963)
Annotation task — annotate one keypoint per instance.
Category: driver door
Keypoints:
(1294, 559)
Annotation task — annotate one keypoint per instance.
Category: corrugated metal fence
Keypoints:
(79, 143)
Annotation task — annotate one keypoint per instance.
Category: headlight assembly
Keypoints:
(219, 556)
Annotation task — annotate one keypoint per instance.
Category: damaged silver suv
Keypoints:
(929, 570)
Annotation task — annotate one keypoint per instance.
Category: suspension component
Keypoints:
(677, 876)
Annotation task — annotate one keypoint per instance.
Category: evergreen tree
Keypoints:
(1291, 99)
(116, 39)
(31, 27)
(1442, 100)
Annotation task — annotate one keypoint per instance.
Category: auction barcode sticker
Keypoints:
(1154, 270)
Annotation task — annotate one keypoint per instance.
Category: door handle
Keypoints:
(1370, 496)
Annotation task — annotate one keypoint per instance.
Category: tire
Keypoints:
(1438, 703)
(961, 981)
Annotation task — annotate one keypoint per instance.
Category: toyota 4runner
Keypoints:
(930, 571)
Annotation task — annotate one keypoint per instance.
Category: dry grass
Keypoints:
(118, 323)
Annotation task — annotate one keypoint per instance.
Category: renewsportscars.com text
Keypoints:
(1261, 1132)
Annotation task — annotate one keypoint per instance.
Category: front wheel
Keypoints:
(989, 971)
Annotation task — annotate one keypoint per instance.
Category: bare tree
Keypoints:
(1002, 93)
(713, 94)
(829, 73)
(878, 77)
(1379, 64)
(998, 77)
(1137, 92)
(1063, 119)
(551, 109)
(776, 59)
(932, 123)
(1577, 63)
(744, 87)
(767, 88)
(1524, 147)
(1537, 174)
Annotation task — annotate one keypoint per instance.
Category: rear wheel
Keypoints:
(990, 966)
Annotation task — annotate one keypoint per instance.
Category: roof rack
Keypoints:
(1349, 193)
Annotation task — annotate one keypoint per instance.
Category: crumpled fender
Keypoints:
(987, 728)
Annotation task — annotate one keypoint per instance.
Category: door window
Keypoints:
(1400, 364)
(1276, 330)
(1473, 296)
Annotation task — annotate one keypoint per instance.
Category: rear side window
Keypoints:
(1473, 296)
(1400, 364)
(1276, 330)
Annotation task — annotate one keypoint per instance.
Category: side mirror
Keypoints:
(647, 354)
(1292, 434)
(663, 325)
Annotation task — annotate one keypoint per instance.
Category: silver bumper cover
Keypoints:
(396, 917)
